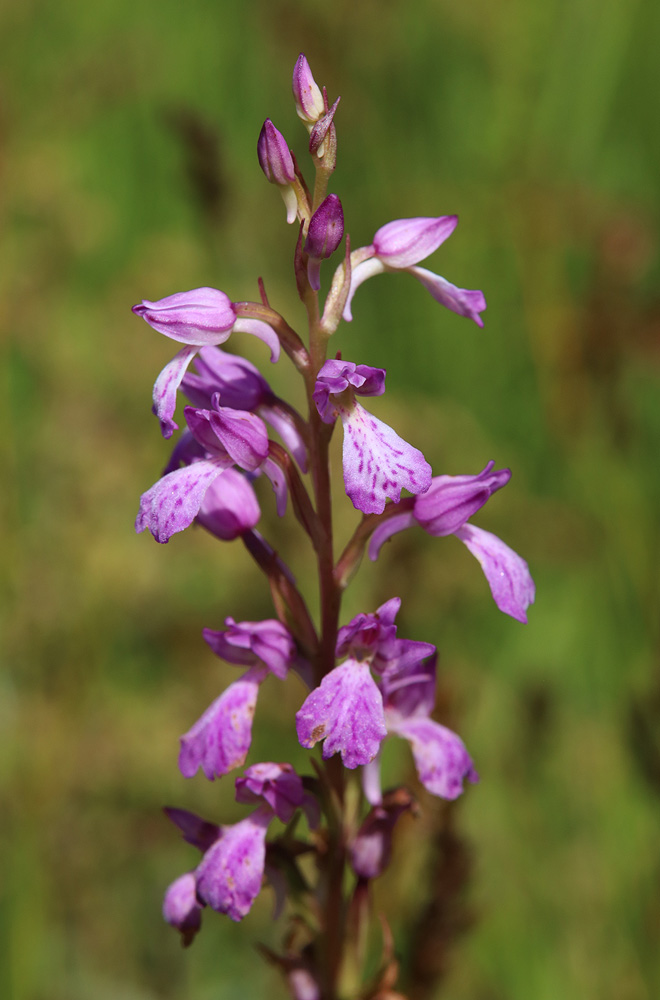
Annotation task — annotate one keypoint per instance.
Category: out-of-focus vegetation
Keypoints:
(128, 170)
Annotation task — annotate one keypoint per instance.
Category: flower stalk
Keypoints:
(364, 683)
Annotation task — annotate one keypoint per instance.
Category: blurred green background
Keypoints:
(128, 170)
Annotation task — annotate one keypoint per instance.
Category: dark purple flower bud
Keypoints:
(326, 228)
(451, 500)
(267, 643)
(371, 849)
(182, 909)
(230, 873)
(274, 155)
(229, 507)
(306, 93)
(276, 784)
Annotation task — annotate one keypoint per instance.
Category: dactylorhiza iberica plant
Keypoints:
(364, 682)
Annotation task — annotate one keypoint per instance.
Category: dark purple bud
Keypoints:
(274, 155)
(326, 228)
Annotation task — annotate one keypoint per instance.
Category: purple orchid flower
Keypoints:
(229, 876)
(378, 464)
(399, 246)
(241, 386)
(220, 739)
(346, 712)
(444, 510)
(198, 318)
(440, 756)
(226, 437)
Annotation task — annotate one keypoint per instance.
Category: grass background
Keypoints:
(128, 170)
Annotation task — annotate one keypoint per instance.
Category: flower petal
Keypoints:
(166, 386)
(378, 464)
(276, 784)
(441, 759)
(451, 500)
(229, 507)
(200, 316)
(507, 573)
(407, 241)
(181, 908)
(388, 528)
(220, 739)
(259, 328)
(347, 712)
(230, 873)
(464, 301)
(174, 501)
(359, 274)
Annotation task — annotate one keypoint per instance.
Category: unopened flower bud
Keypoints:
(326, 228)
(306, 93)
(274, 155)
(277, 164)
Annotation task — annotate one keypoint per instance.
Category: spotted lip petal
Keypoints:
(230, 873)
(220, 739)
(174, 501)
(378, 464)
(346, 711)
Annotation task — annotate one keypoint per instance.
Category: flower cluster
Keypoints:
(363, 682)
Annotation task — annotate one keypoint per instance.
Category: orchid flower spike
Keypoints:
(399, 246)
